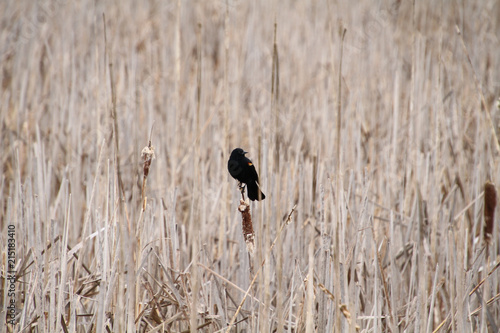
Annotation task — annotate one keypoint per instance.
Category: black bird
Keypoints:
(242, 169)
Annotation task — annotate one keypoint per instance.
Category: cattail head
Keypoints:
(490, 202)
(148, 154)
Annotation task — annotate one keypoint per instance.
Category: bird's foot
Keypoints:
(241, 187)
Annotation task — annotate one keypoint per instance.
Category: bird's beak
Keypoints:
(245, 152)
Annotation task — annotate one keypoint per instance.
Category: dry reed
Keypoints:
(381, 138)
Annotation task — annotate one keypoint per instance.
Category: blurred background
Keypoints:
(382, 140)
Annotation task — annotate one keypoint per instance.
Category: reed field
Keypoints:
(374, 127)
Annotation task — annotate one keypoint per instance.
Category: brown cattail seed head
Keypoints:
(490, 202)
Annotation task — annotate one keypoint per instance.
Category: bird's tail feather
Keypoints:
(253, 192)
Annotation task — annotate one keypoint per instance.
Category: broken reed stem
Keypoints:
(483, 280)
(198, 81)
(342, 307)
(339, 98)
(113, 109)
(336, 255)
(386, 291)
(275, 93)
(148, 155)
(287, 222)
(115, 125)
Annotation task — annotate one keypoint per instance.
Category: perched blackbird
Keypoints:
(242, 169)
